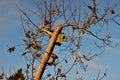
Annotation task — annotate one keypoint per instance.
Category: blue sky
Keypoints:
(11, 34)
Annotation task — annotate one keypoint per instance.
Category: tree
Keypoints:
(60, 25)
(17, 75)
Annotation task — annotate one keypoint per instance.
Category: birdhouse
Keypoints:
(59, 39)
(52, 59)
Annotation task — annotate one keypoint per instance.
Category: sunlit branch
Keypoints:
(47, 31)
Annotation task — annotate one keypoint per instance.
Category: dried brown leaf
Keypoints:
(53, 12)
(11, 49)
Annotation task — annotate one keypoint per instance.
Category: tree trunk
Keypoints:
(48, 52)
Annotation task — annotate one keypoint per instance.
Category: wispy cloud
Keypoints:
(93, 66)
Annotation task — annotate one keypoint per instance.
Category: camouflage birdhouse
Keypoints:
(59, 39)
(52, 59)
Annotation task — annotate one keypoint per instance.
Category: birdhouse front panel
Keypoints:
(59, 39)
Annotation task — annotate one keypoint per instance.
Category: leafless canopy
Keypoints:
(86, 17)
